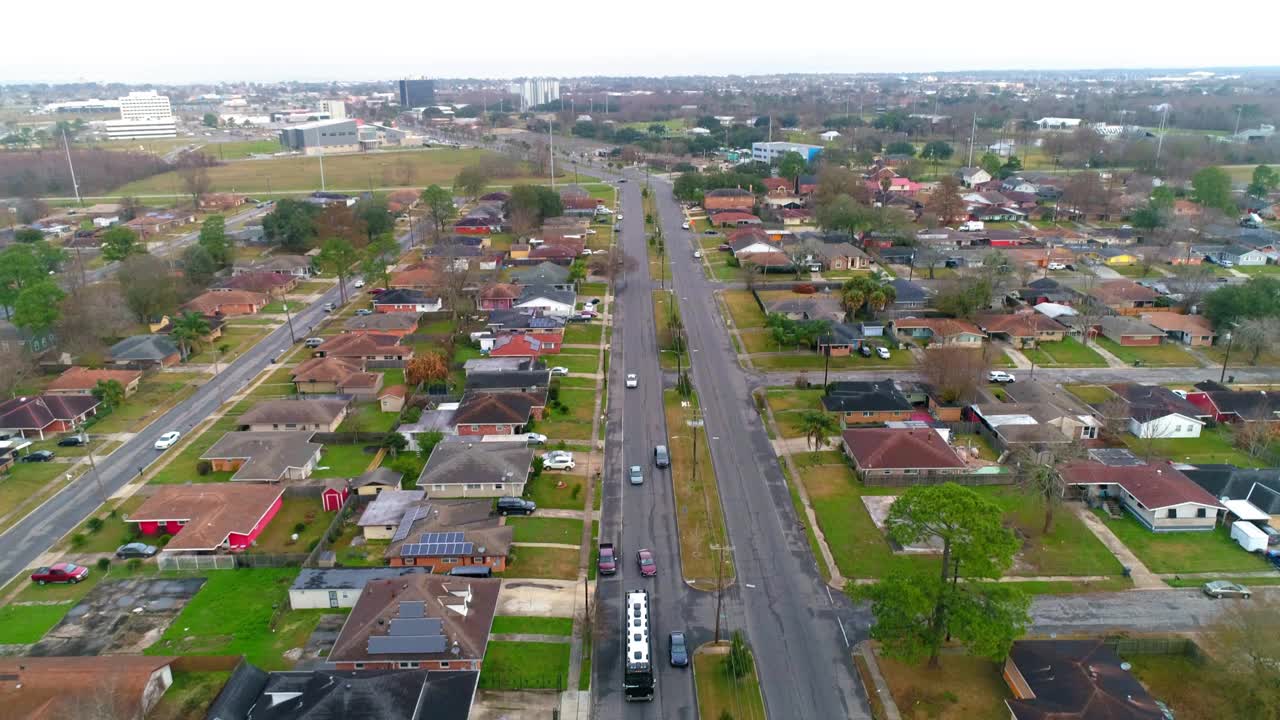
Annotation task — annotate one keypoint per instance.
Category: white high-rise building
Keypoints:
(536, 91)
(337, 109)
(145, 114)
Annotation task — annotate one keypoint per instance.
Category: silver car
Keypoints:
(1221, 589)
(635, 475)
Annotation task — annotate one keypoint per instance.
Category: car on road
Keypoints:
(661, 457)
(679, 649)
(1222, 589)
(359, 283)
(644, 559)
(882, 353)
(38, 456)
(510, 505)
(73, 441)
(1000, 376)
(621, 180)
(1057, 266)
(329, 307)
(708, 231)
(314, 342)
(607, 563)
(619, 216)
(535, 438)
(63, 572)
(632, 380)
(697, 254)
(865, 350)
(136, 550)
(363, 312)
(684, 226)
(635, 475)
(167, 440)
(559, 370)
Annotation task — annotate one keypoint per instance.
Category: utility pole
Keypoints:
(551, 152)
(288, 314)
(720, 584)
(973, 133)
(76, 186)
(322, 170)
(1164, 119)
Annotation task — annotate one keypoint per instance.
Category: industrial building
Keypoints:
(146, 114)
(322, 137)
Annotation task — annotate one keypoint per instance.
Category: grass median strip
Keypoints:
(720, 694)
(697, 496)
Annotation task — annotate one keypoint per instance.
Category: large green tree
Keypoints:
(375, 217)
(110, 393)
(198, 265)
(189, 329)
(917, 612)
(865, 293)
(291, 225)
(213, 238)
(148, 284)
(37, 308)
(991, 163)
(791, 165)
(1264, 182)
(471, 181)
(379, 256)
(338, 257)
(440, 208)
(19, 268)
(1259, 297)
(27, 235)
(119, 242)
(1211, 187)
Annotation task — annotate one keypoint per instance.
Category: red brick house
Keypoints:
(498, 296)
(419, 276)
(82, 381)
(471, 522)
(208, 516)
(364, 347)
(1130, 331)
(43, 415)
(912, 456)
(500, 413)
(1125, 297)
(398, 324)
(559, 253)
(401, 300)
(729, 199)
(275, 284)
(520, 345)
(227, 302)
(733, 219)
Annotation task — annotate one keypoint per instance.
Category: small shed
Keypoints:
(335, 495)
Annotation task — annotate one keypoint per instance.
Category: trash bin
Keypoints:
(1127, 571)
(1231, 379)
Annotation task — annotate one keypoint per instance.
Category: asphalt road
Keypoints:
(23, 543)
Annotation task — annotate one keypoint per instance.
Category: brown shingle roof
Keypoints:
(82, 378)
(211, 302)
(1116, 292)
(212, 511)
(891, 448)
(35, 413)
(267, 456)
(328, 369)
(941, 327)
(359, 345)
(376, 322)
(53, 688)
(293, 411)
(1028, 324)
(1169, 321)
(1155, 486)
(500, 291)
(500, 408)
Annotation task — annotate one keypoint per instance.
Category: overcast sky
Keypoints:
(145, 41)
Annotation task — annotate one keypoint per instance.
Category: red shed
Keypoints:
(335, 495)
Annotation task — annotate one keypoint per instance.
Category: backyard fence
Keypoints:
(350, 438)
(189, 563)
(334, 531)
(991, 478)
(1155, 646)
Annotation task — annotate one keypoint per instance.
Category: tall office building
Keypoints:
(145, 114)
(336, 109)
(536, 91)
(417, 93)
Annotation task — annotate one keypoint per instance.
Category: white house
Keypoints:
(970, 176)
(829, 135)
(558, 303)
(1161, 426)
(323, 588)
(1057, 123)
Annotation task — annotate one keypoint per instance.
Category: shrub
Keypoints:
(164, 539)
(94, 524)
(204, 467)
(299, 528)
(78, 540)
(104, 563)
(740, 661)
(134, 564)
(577, 490)
(804, 289)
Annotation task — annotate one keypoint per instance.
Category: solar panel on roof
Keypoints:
(412, 609)
(387, 644)
(406, 523)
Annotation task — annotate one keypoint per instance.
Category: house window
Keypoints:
(444, 665)
(1172, 513)
(437, 487)
(449, 560)
(475, 428)
(867, 413)
(359, 666)
(1202, 513)
(407, 665)
(473, 486)
(497, 486)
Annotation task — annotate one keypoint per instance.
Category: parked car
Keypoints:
(1057, 266)
(64, 572)
(865, 350)
(359, 283)
(708, 231)
(661, 457)
(535, 438)
(558, 463)
(644, 559)
(363, 312)
(999, 376)
(73, 441)
(1222, 589)
(167, 440)
(377, 291)
(136, 550)
(679, 650)
(607, 563)
(329, 307)
(632, 380)
(314, 342)
(725, 247)
(635, 475)
(697, 254)
(684, 226)
(882, 352)
(559, 370)
(38, 456)
(510, 505)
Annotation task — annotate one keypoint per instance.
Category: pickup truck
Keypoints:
(60, 573)
(608, 562)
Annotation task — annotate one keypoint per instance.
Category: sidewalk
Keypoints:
(1112, 360)
(881, 688)
(1143, 579)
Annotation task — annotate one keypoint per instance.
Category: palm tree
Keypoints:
(818, 428)
(188, 329)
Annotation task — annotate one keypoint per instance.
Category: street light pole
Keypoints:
(288, 314)
(1223, 377)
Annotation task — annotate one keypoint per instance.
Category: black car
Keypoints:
(679, 650)
(864, 350)
(38, 456)
(515, 506)
(73, 441)
(136, 550)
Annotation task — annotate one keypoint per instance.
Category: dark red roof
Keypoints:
(892, 448)
(1155, 486)
(36, 413)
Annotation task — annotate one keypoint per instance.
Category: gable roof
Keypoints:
(404, 296)
(342, 371)
(456, 461)
(212, 301)
(36, 413)
(877, 395)
(359, 345)
(53, 688)
(1260, 486)
(524, 319)
(1077, 680)
(364, 695)
(530, 293)
(906, 291)
(266, 455)
(1155, 486)
(297, 411)
(1151, 402)
(382, 322)
(1115, 326)
(1027, 324)
(82, 378)
(212, 511)
(378, 476)
(894, 448)
(517, 379)
(500, 291)
(1114, 292)
(390, 506)
(1248, 404)
(1173, 322)
(144, 347)
(544, 273)
(499, 408)
(941, 327)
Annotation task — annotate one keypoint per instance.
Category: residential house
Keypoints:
(498, 296)
(1243, 255)
(423, 277)
(746, 245)
(375, 481)
(1125, 297)
(1158, 495)
(731, 218)
(939, 332)
(296, 265)
(82, 381)
(402, 300)
(1225, 405)
(399, 324)
(391, 399)
(526, 322)
(971, 176)
(419, 622)
(804, 307)
(336, 376)
(458, 467)
(497, 413)
(444, 534)
(1013, 424)
(866, 402)
(544, 274)
(1259, 487)
(841, 339)
(146, 352)
(912, 456)
(1117, 256)
(521, 345)
(1194, 330)
(511, 381)
(1022, 330)
(486, 365)
(1186, 209)
(560, 253)
(42, 416)
(546, 299)
(728, 199)
(227, 302)
(52, 688)
(208, 517)
(1155, 411)
(384, 513)
(908, 296)
(1048, 290)
(290, 414)
(267, 457)
(323, 588)
(275, 284)
(1074, 680)
(364, 347)
(1130, 331)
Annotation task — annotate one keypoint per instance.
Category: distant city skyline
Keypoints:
(156, 42)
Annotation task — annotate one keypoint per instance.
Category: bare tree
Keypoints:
(1089, 310)
(1244, 646)
(956, 373)
(455, 279)
(1255, 336)
(612, 264)
(945, 201)
(1194, 282)
(1255, 438)
(90, 316)
(16, 367)
(523, 221)
(750, 273)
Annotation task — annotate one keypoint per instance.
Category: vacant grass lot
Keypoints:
(233, 614)
(241, 149)
(411, 168)
(701, 520)
(587, 362)
(557, 490)
(812, 361)
(342, 461)
(540, 562)
(1068, 352)
(963, 688)
(1091, 394)
(1184, 552)
(1213, 446)
(507, 624)
(239, 338)
(525, 666)
(583, 334)
(156, 394)
(744, 309)
(546, 530)
(722, 695)
(1183, 683)
(1157, 355)
(24, 624)
(789, 405)
(368, 417)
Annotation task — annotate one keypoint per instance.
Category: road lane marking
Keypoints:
(842, 632)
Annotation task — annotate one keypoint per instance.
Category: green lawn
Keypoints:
(793, 399)
(1133, 271)
(25, 624)
(113, 532)
(190, 694)
(743, 308)
(521, 624)
(1218, 353)
(238, 149)
(546, 494)
(277, 538)
(1256, 270)
(312, 287)
(1184, 552)
(1166, 354)
(25, 486)
(156, 394)
(585, 363)
(593, 289)
(1091, 394)
(1213, 446)
(183, 467)
(525, 666)
(812, 361)
(368, 417)
(539, 562)
(1066, 353)
(394, 376)
(234, 614)
(720, 694)
(342, 461)
(583, 334)
(238, 338)
(278, 307)
(546, 530)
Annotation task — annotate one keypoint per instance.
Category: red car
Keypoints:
(60, 573)
(608, 562)
(648, 568)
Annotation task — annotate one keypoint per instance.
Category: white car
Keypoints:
(559, 370)
(590, 231)
(619, 216)
(999, 376)
(557, 462)
(557, 455)
(684, 226)
(632, 380)
(882, 352)
(167, 440)
(535, 438)
(1057, 266)
(603, 211)
(359, 283)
